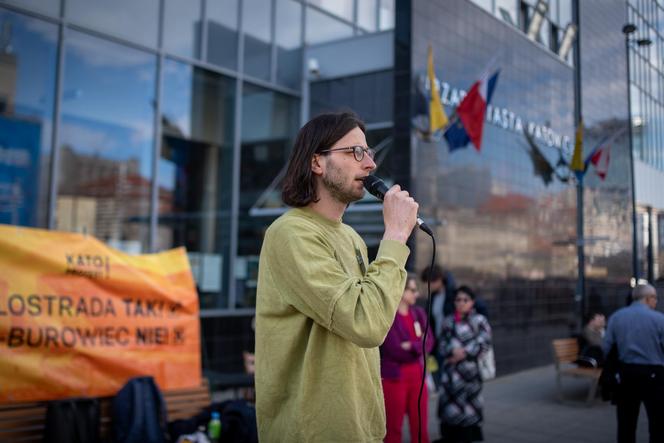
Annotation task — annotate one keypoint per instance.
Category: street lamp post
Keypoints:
(627, 30)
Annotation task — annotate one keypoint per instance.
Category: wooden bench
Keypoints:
(25, 422)
(565, 353)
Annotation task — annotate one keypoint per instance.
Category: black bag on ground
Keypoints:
(74, 420)
(139, 413)
(238, 422)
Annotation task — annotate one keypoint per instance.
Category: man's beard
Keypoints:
(334, 182)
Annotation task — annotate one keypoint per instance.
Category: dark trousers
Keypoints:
(640, 383)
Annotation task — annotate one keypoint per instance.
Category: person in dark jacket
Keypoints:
(401, 367)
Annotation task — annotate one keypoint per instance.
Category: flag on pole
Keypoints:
(577, 164)
(541, 165)
(471, 113)
(600, 159)
(437, 117)
(600, 155)
(456, 134)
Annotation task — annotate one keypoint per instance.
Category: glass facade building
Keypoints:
(166, 123)
(646, 51)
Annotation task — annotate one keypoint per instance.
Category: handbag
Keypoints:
(486, 362)
(487, 365)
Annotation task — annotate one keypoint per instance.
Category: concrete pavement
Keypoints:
(523, 408)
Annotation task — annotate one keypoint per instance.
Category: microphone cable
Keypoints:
(378, 188)
(424, 342)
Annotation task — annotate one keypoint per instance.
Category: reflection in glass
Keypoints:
(659, 251)
(564, 12)
(545, 36)
(553, 11)
(386, 15)
(369, 95)
(49, 7)
(195, 174)
(27, 84)
(289, 43)
(182, 27)
(269, 125)
(130, 19)
(366, 14)
(506, 10)
(222, 32)
(257, 31)
(340, 8)
(484, 4)
(323, 28)
(106, 142)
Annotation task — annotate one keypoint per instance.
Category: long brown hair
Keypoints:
(320, 133)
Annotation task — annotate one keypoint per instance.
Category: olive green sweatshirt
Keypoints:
(321, 312)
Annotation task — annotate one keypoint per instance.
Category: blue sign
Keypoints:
(19, 170)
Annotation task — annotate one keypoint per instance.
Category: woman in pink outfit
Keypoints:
(401, 367)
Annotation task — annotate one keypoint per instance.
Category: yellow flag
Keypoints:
(577, 159)
(437, 116)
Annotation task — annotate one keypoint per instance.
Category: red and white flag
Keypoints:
(600, 159)
(472, 109)
(600, 155)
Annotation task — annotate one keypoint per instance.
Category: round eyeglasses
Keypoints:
(358, 152)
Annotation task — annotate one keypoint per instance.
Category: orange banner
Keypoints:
(78, 318)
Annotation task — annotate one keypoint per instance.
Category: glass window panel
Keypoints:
(340, 8)
(195, 174)
(369, 95)
(366, 14)
(564, 12)
(106, 142)
(269, 124)
(257, 30)
(182, 27)
(636, 99)
(553, 11)
(49, 7)
(545, 33)
(506, 10)
(323, 28)
(27, 85)
(289, 43)
(386, 15)
(222, 32)
(133, 20)
(484, 4)
(655, 83)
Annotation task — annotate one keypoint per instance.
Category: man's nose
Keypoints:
(368, 163)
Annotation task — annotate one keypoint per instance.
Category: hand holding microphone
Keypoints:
(399, 209)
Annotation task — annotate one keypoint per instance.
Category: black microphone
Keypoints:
(378, 188)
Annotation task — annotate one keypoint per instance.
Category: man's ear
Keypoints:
(317, 164)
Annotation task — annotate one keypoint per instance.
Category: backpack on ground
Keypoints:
(139, 413)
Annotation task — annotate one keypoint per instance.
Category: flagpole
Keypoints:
(580, 293)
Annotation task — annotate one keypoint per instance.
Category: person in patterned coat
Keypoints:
(465, 336)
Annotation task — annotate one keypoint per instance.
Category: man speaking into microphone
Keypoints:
(322, 309)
